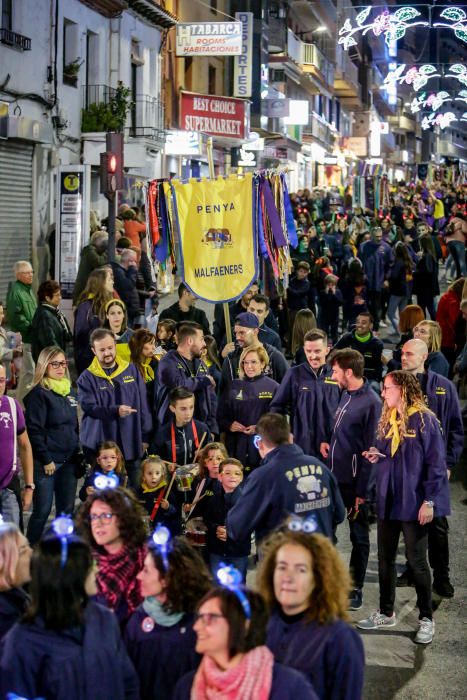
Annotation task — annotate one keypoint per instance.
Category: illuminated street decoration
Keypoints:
(456, 20)
(393, 26)
(458, 72)
(416, 76)
(441, 120)
(435, 100)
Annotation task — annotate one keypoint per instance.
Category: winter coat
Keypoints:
(276, 369)
(125, 285)
(13, 604)
(185, 444)
(52, 425)
(214, 512)
(375, 258)
(49, 327)
(425, 278)
(21, 305)
(175, 313)
(85, 323)
(447, 314)
(90, 260)
(436, 362)
(398, 284)
(310, 399)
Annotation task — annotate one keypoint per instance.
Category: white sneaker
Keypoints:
(376, 621)
(426, 631)
(383, 325)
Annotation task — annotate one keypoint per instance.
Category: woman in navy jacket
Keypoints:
(306, 586)
(52, 424)
(159, 636)
(412, 487)
(243, 403)
(66, 647)
(15, 559)
(231, 630)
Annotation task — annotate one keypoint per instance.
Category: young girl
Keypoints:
(151, 494)
(210, 357)
(165, 334)
(116, 320)
(109, 460)
(207, 481)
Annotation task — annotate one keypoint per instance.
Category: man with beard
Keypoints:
(183, 367)
(246, 331)
(112, 394)
(184, 310)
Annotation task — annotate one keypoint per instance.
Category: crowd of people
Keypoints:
(177, 459)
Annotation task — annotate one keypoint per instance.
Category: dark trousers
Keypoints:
(62, 483)
(375, 306)
(438, 550)
(427, 303)
(359, 536)
(416, 539)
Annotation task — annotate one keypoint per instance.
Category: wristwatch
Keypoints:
(30, 486)
(430, 504)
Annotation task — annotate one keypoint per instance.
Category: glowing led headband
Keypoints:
(229, 577)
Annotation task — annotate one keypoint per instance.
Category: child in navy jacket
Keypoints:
(109, 461)
(152, 495)
(222, 548)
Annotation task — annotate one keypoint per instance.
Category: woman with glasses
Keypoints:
(412, 488)
(112, 521)
(52, 425)
(307, 585)
(65, 647)
(430, 332)
(243, 403)
(15, 559)
(159, 636)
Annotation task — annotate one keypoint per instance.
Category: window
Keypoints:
(7, 14)
(188, 73)
(213, 5)
(71, 58)
(212, 81)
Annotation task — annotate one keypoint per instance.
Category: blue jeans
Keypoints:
(63, 484)
(240, 563)
(457, 251)
(396, 302)
(9, 508)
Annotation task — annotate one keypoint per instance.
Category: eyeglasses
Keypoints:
(386, 388)
(56, 364)
(207, 619)
(102, 517)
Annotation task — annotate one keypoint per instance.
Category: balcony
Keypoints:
(277, 39)
(314, 62)
(17, 41)
(402, 123)
(147, 119)
(346, 82)
(294, 47)
(320, 131)
(108, 8)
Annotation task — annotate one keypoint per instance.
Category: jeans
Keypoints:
(240, 563)
(416, 539)
(63, 484)
(9, 508)
(396, 302)
(457, 250)
(359, 537)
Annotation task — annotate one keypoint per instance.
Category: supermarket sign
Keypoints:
(216, 116)
(209, 39)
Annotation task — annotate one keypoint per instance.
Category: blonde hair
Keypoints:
(46, 356)
(411, 397)
(260, 353)
(9, 554)
(434, 339)
(153, 459)
(329, 597)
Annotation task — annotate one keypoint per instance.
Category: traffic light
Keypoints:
(109, 166)
(114, 144)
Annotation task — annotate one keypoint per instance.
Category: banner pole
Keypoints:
(228, 327)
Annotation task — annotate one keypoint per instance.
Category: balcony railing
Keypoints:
(147, 118)
(319, 130)
(346, 69)
(294, 47)
(13, 39)
(312, 56)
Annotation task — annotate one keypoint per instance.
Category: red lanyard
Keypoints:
(156, 505)
(174, 445)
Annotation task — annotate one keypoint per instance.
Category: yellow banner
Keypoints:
(214, 221)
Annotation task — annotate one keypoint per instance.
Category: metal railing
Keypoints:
(146, 118)
(346, 68)
(13, 39)
(294, 47)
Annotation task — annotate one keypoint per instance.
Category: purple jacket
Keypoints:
(287, 684)
(442, 398)
(311, 399)
(331, 656)
(417, 472)
(354, 431)
(100, 397)
(173, 372)
(376, 259)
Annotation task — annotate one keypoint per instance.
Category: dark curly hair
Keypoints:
(129, 512)
(187, 579)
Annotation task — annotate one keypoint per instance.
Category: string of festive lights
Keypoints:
(436, 100)
(441, 120)
(418, 76)
(395, 25)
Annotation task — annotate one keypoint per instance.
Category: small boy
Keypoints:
(221, 548)
(330, 300)
(178, 439)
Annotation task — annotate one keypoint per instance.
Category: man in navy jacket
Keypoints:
(309, 395)
(112, 394)
(441, 396)
(287, 482)
(183, 367)
(354, 429)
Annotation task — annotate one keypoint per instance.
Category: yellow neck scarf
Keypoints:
(160, 485)
(148, 371)
(393, 433)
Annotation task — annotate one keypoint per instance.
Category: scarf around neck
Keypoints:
(62, 386)
(251, 679)
(394, 433)
(116, 576)
(156, 611)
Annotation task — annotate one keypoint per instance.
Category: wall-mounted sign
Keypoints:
(209, 39)
(247, 159)
(213, 115)
(299, 113)
(277, 109)
(183, 143)
(243, 64)
(358, 145)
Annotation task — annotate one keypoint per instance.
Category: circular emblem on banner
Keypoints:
(71, 182)
(147, 624)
